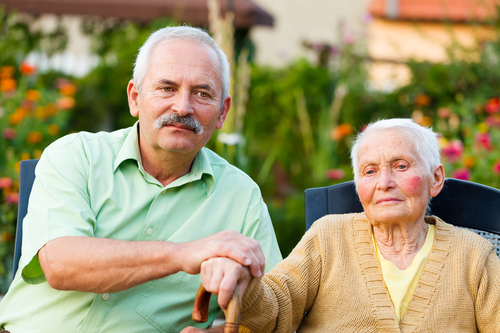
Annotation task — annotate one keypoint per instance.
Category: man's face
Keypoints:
(179, 105)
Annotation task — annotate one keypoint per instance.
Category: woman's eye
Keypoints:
(369, 172)
(401, 167)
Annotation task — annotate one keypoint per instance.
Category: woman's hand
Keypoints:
(220, 276)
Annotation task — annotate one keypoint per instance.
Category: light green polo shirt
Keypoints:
(94, 185)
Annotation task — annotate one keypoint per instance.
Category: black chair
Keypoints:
(462, 203)
(26, 179)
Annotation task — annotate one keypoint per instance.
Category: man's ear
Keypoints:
(133, 98)
(223, 113)
(437, 181)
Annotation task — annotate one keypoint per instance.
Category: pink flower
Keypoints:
(335, 174)
(463, 174)
(453, 151)
(493, 121)
(9, 133)
(12, 198)
(496, 167)
(5, 182)
(484, 140)
(348, 38)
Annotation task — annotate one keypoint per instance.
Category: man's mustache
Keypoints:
(174, 118)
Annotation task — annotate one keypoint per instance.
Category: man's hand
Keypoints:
(229, 244)
(220, 275)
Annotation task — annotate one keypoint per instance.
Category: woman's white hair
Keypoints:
(168, 35)
(425, 140)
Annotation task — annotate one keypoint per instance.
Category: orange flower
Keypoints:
(33, 95)
(25, 156)
(341, 131)
(27, 69)
(469, 162)
(6, 236)
(422, 100)
(17, 166)
(67, 89)
(6, 72)
(65, 103)
(34, 137)
(53, 129)
(7, 85)
(50, 110)
(17, 116)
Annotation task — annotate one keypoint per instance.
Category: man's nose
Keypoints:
(385, 179)
(183, 104)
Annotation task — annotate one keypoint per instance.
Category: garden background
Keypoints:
(291, 127)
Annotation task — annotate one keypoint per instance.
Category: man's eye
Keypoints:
(167, 89)
(203, 94)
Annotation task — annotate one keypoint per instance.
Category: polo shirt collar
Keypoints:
(200, 170)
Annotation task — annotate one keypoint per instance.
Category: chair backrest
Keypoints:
(461, 203)
(26, 179)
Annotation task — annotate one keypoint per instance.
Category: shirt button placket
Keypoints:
(149, 231)
(105, 296)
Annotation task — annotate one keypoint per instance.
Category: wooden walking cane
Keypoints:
(233, 313)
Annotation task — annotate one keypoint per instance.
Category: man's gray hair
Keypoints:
(168, 35)
(425, 140)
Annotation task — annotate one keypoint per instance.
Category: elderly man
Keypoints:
(120, 222)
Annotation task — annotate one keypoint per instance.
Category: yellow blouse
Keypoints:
(402, 283)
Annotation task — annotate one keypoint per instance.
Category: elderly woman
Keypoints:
(389, 269)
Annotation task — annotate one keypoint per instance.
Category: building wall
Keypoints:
(315, 21)
(391, 42)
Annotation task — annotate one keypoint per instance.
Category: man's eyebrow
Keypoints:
(204, 86)
(165, 81)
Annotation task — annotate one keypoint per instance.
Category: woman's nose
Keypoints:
(385, 179)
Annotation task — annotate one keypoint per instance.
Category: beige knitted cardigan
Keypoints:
(332, 282)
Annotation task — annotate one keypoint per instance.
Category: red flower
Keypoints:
(463, 174)
(27, 69)
(335, 174)
(493, 105)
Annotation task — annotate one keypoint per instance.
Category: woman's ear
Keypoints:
(437, 181)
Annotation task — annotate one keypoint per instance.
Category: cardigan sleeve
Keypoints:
(488, 297)
(278, 301)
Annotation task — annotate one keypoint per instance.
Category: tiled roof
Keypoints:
(435, 10)
(195, 12)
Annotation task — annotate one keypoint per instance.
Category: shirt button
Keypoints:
(105, 296)
(149, 231)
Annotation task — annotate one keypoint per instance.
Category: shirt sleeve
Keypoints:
(488, 297)
(59, 203)
(277, 302)
(258, 226)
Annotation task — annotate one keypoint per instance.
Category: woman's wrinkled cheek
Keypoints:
(413, 184)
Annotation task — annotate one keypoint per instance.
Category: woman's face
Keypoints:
(394, 185)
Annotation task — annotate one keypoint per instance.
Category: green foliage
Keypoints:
(102, 96)
(34, 111)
